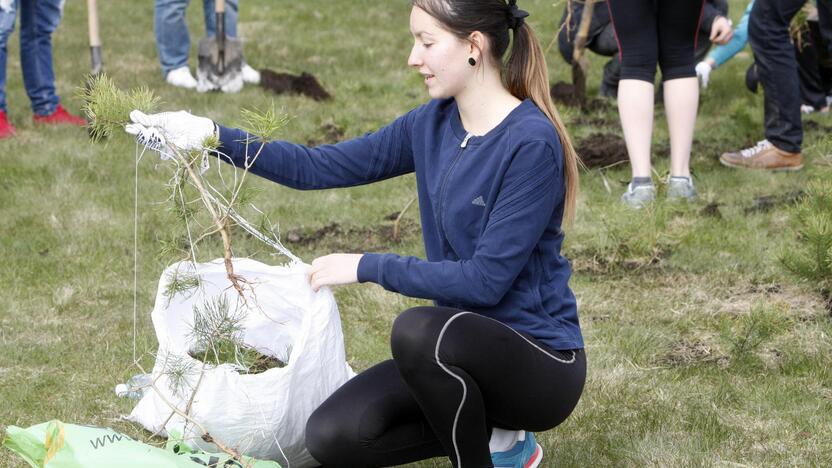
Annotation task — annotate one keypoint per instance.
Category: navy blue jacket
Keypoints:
(491, 210)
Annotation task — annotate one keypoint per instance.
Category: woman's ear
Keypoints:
(477, 44)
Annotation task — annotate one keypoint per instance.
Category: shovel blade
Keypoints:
(220, 69)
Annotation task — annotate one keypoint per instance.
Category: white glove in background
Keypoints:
(703, 72)
(178, 129)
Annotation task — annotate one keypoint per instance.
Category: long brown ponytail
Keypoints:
(525, 73)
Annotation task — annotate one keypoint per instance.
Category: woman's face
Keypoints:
(439, 56)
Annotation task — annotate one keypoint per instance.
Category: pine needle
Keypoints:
(108, 108)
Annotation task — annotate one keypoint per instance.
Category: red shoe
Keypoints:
(60, 116)
(6, 127)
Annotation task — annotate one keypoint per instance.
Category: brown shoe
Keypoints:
(763, 156)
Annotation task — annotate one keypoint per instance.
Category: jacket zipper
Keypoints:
(462, 147)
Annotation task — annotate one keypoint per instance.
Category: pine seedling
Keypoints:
(812, 259)
(214, 322)
(265, 125)
(179, 370)
(108, 108)
(180, 283)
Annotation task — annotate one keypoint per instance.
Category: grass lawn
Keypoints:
(702, 350)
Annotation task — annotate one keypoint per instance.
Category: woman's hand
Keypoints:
(180, 130)
(721, 31)
(334, 269)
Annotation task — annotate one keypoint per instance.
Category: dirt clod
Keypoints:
(565, 93)
(602, 150)
(711, 210)
(282, 83)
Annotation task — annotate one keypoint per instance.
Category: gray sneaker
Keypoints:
(681, 188)
(638, 196)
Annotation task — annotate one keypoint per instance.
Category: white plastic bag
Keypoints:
(261, 415)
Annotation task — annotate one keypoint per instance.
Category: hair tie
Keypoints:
(516, 16)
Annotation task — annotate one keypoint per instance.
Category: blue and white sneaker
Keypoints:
(525, 454)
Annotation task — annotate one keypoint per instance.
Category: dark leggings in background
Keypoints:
(656, 31)
(454, 375)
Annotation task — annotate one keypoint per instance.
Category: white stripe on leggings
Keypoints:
(464, 387)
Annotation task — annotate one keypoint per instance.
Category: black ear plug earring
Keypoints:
(471, 61)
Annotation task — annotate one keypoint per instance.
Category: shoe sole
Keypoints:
(776, 169)
(536, 458)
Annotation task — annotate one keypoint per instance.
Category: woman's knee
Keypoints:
(414, 335)
(327, 439)
(411, 333)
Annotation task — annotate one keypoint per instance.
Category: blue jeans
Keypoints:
(172, 37)
(38, 20)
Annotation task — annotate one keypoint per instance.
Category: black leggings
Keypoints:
(651, 31)
(454, 375)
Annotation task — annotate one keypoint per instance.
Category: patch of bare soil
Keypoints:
(565, 93)
(691, 353)
(351, 239)
(711, 210)
(602, 150)
(591, 261)
(285, 83)
(329, 134)
(765, 203)
(812, 125)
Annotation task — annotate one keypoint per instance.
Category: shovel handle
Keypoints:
(95, 39)
(92, 16)
(219, 6)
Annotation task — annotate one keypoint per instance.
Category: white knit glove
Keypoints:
(170, 130)
(703, 71)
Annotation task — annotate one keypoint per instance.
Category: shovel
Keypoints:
(95, 38)
(96, 64)
(220, 59)
(580, 64)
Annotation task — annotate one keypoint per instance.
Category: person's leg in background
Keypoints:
(8, 13)
(812, 89)
(38, 20)
(604, 43)
(825, 49)
(677, 30)
(232, 12)
(568, 31)
(768, 30)
(635, 28)
(173, 42)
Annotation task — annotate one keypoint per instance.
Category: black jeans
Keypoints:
(454, 376)
(768, 31)
(815, 67)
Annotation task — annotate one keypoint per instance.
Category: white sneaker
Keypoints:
(250, 75)
(181, 77)
(639, 196)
